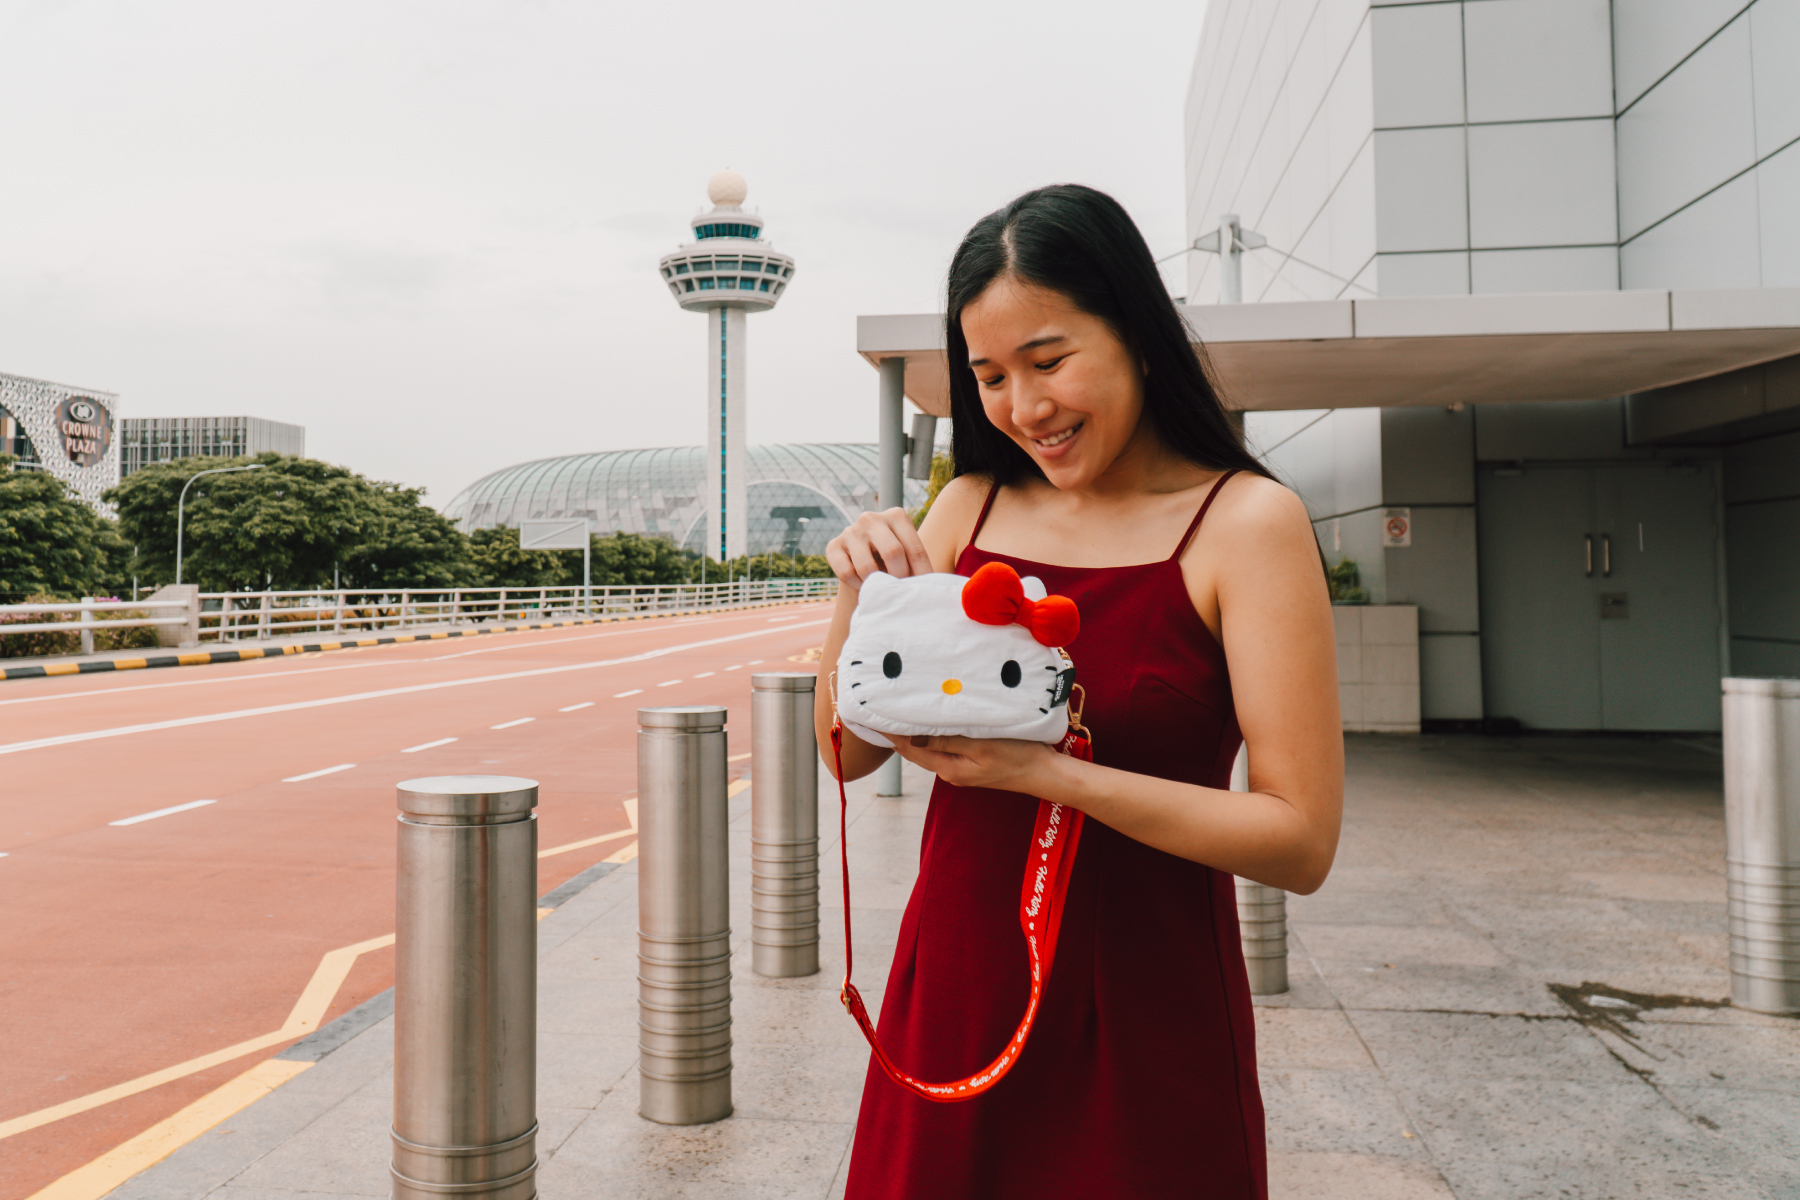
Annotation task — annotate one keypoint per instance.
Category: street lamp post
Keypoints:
(181, 508)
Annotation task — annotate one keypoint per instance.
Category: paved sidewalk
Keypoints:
(1512, 986)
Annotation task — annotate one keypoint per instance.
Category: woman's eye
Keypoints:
(1052, 364)
(890, 665)
(1009, 673)
(995, 381)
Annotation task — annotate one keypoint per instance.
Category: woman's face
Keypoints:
(1054, 379)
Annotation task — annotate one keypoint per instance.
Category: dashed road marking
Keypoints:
(705, 674)
(163, 812)
(574, 707)
(428, 746)
(510, 724)
(735, 667)
(632, 692)
(316, 774)
(668, 683)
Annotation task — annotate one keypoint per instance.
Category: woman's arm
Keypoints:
(886, 541)
(1275, 617)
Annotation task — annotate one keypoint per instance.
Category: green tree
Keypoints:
(634, 559)
(498, 562)
(407, 544)
(771, 566)
(284, 526)
(50, 542)
(943, 470)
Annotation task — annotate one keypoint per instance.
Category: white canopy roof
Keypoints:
(1435, 349)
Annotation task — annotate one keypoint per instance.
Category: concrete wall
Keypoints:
(1349, 465)
(1708, 120)
(1762, 555)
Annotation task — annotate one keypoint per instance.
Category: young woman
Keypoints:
(1092, 451)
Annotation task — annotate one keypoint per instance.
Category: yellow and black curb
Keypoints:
(201, 658)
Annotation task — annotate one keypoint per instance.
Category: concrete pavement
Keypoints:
(1512, 986)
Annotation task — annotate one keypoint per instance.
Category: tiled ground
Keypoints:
(1509, 988)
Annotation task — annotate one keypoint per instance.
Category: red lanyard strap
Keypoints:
(1052, 857)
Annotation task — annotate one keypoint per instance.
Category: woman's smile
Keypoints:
(1056, 445)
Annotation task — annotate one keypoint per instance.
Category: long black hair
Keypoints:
(1082, 244)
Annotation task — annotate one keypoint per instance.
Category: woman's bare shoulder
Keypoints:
(1256, 510)
(952, 518)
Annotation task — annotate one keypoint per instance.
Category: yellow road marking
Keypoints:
(315, 1000)
(623, 856)
(165, 1137)
(737, 758)
(737, 786)
(586, 842)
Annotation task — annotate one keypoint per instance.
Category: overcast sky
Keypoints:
(428, 231)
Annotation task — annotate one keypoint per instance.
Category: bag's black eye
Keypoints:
(1009, 673)
(890, 665)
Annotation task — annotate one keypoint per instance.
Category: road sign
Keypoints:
(569, 533)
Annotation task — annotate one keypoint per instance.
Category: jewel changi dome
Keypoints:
(800, 496)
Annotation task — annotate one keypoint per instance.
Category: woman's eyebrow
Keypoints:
(1033, 344)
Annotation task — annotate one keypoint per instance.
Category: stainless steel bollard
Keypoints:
(887, 777)
(1262, 915)
(684, 918)
(1762, 842)
(784, 825)
(465, 989)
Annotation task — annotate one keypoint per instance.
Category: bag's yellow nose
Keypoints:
(952, 686)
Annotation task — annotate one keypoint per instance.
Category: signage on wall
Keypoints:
(1396, 527)
(86, 428)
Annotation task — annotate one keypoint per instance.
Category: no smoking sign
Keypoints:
(1396, 527)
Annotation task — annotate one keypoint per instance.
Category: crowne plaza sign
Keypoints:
(86, 428)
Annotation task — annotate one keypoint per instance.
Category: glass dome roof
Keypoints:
(800, 496)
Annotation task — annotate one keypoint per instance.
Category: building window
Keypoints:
(681, 268)
(703, 264)
(725, 264)
(787, 272)
(667, 273)
(706, 285)
(728, 283)
(765, 284)
(771, 268)
(749, 285)
(687, 285)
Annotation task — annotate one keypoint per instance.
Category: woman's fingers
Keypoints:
(884, 541)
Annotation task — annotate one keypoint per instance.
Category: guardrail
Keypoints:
(89, 613)
(236, 616)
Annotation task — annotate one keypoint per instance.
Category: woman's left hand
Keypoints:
(1007, 764)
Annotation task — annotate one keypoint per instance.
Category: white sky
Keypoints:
(428, 231)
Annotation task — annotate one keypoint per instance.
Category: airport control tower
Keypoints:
(726, 272)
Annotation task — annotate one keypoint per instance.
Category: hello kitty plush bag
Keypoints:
(980, 657)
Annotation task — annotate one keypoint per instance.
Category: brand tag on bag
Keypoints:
(1065, 683)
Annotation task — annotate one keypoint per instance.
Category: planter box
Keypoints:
(1378, 667)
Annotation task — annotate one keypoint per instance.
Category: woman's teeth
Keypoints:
(1059, 438)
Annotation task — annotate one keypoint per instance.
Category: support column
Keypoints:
(890, 486)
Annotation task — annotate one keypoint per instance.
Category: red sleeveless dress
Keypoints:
(1139, 1081)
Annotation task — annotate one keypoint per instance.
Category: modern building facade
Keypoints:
(797, 498)
(62, 430)
(1604, 520)
(727, 272)
(147, 440)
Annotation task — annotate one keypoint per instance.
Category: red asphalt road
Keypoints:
(129, 949)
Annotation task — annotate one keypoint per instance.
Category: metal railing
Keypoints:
(89, 614)
(237, 616)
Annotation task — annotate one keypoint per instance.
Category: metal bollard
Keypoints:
(1262, 915)
(1762, 842)
(784, 825)
(465, 989)
(887, 777)
(684, 918)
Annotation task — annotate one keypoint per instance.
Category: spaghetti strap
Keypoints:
(1191, 529)
(993, 490)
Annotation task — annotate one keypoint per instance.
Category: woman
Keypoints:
(1092, 451)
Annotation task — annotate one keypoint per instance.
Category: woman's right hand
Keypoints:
(878, 541)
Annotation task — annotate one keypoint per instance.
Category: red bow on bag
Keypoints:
(994, 596)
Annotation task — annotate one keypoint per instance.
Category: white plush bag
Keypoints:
(942, 654)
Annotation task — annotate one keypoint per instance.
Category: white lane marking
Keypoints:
(428, 746)
(757, 662)
(163, 812)
(248, 676)
(313, 774)
(632, 692)
(510, 724)
(704, 674)
(327, 701)
(668, 683)
(772, 620)
(575, 707)
(4, 854)
(734, 666)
